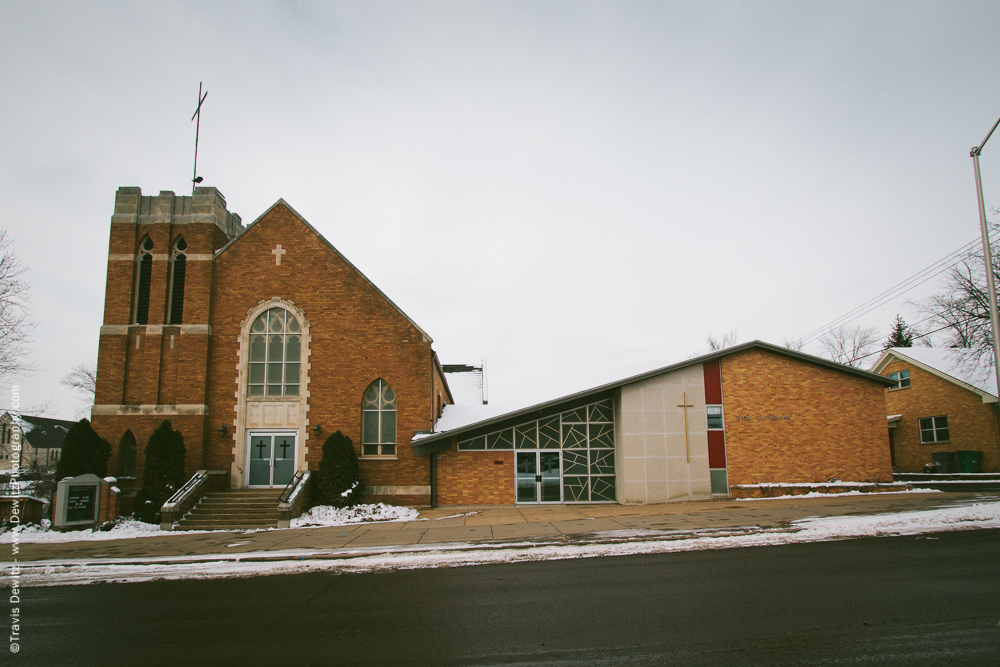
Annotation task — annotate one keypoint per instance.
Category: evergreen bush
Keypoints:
(83, 451)
(338, 481)
(162, 472)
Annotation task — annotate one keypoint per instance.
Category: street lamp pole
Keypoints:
(987, 255)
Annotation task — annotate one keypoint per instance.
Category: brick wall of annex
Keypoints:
(837, 426)
(475, 478)
(972, 424)
(356, 337)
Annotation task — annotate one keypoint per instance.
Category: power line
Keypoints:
(906, 285)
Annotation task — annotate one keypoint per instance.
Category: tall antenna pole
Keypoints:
(988, 255)
(197, 128)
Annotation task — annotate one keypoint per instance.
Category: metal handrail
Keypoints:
(294, 488)
(189, 487)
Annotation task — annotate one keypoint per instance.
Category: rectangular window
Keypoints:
(714, 416)
(902, 379)
(934, 429)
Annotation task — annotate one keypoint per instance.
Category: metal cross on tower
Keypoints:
(195, 179)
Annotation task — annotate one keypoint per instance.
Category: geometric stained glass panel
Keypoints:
(601, 412)
(602, 489)
(548, 433)
(602, 462)
(526, 436)
(576, 489)
(602, 435)
(575, 462)
(574, 436)
(578, 416)
(501, 439)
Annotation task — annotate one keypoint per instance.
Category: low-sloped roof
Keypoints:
(440, 439)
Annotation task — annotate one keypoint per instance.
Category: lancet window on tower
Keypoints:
(179, 266)
(144, 279)
(275, 354)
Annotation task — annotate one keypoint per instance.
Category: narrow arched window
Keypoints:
(128, 454)
(177, 281)
(378, 420)
(145, 276)
(275, 354)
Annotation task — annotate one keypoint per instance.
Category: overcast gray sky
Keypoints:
(574, 191)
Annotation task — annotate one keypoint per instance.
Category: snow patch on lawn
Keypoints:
(325, 515)
(819, 494)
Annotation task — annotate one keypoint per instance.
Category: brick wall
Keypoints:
(356, 337)
(972, 424)
(837, 426)
(475, 478)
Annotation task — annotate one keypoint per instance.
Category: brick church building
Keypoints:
(256, 344)
(259, 342)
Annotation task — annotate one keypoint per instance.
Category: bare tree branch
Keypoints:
(849, 345)
(728, 339)
(82, 378)
(15, 308)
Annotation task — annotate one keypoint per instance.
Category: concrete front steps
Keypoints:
(234, 509)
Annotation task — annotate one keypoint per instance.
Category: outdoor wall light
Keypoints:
(222, 430)
(317, 429)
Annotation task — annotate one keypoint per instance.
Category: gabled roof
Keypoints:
(42, 432)
(434, 442)
(315, 231)
(946, 363)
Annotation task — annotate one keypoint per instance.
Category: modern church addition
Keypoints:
(257, 343)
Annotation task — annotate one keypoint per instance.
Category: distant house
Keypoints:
(936, 405)
(41, 441)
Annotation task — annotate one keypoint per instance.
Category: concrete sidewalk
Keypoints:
(498, 525)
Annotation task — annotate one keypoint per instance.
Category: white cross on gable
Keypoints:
(278, 252)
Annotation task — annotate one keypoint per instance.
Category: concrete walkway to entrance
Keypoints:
(504, 524)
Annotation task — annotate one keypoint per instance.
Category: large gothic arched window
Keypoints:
(378, 420)
(145, 276)
(177, 281)
(275, 354)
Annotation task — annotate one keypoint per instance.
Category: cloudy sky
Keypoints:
(573, 191)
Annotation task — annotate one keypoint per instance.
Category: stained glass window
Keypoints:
(275, 354)
(378, 420)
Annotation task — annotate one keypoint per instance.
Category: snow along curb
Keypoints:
(613, 543)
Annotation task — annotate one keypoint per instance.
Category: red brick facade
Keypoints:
(836, 427)
(972, 424)
(194, 375)
(475, 478)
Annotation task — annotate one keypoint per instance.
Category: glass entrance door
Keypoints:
(538, 477)
(272, 459)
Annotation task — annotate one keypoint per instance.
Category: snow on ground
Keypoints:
(131, 528)
(819, 494)
(614, 543)
(331, 516)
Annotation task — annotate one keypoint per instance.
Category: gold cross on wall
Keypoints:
(687, 446)
(278, 252)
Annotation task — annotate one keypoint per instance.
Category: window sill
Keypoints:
(935, 444)
(378, 458)
(898, 388)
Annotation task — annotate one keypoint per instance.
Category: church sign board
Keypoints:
(77, 502)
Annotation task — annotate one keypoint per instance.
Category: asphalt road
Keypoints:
(928, 600)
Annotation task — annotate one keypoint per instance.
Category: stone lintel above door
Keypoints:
(273, 414)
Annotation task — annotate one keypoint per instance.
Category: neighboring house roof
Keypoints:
(42, 432)
(448, 426)
(946, 363)
(315, 231)
(467, 383)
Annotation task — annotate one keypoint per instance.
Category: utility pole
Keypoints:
(988, 255)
